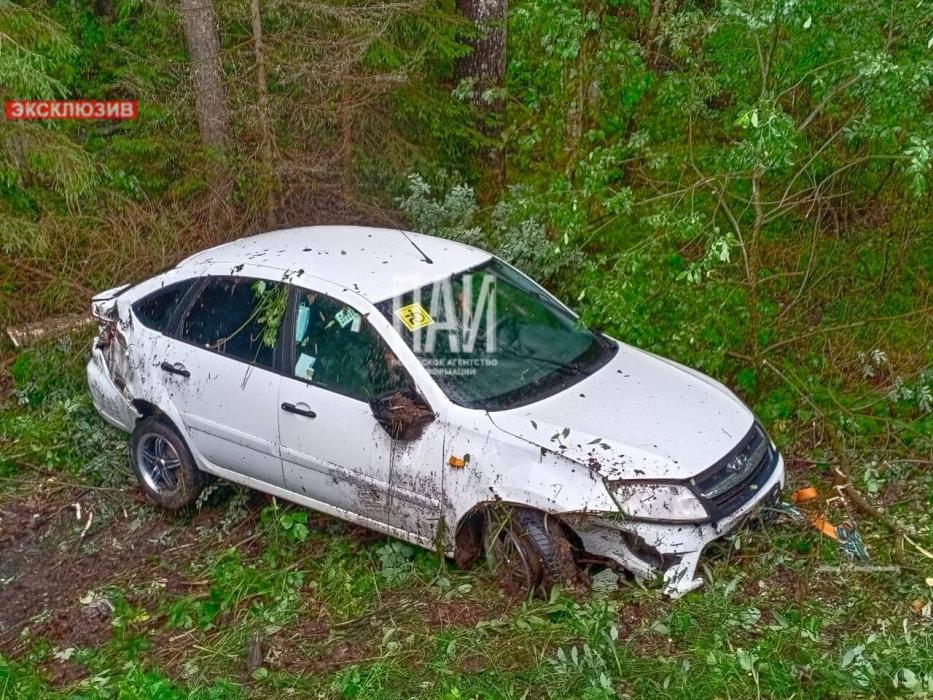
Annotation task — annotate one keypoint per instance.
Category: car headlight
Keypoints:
(657, 502)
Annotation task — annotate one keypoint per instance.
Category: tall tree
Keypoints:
(265, 120)
(202, 36)
(485, 66)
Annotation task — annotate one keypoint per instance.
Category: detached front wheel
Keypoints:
(531, 553)
(164, 465)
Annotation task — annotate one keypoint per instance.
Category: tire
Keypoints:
(163, 464)
(531, 553)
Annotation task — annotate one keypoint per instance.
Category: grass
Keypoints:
(150, 605)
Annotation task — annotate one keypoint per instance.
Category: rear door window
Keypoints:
(239, 317)
(155, 310)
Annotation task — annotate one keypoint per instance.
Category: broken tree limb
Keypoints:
(843, 472)
(863, 506)
(30, 333)
(843, 326)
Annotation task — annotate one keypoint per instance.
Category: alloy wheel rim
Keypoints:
(158, 463)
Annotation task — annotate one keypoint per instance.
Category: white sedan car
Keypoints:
(430, 391)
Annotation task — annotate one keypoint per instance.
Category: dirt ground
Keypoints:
(44, 563)
(63, 546)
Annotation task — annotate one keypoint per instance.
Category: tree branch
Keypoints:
(844, 326)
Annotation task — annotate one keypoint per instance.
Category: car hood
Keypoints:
(637, 417)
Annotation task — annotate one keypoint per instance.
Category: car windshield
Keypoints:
(493, 339)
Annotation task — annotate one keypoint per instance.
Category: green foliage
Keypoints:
(514, 231)
(396, 561)
(291, 524)
(56, 425)
(71, 191)
(272, 592)
(702, 164)
(34, 49)
(742, 185)
(366, 81)
(357, 99)
(449, 214)
(270, 310)
(15, 681)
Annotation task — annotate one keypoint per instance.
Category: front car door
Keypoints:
(333, 449)
(218, 368)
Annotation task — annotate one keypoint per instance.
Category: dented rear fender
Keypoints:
(104, 304)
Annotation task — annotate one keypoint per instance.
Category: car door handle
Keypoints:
(292, 408)
(173, 369)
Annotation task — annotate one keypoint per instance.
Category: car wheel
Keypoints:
(164, 465)
(530, 552)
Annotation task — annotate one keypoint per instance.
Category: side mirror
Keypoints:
(403, 414)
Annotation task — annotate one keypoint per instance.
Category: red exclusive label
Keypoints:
(71, 109)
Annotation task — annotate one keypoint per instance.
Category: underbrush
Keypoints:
(48, 421)
(250, 597)
(791, 631)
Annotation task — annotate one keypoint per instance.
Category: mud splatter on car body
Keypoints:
(644, 461)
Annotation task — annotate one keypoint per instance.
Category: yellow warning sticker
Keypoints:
(414, 316)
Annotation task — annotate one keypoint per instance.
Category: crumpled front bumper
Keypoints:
(672, 550)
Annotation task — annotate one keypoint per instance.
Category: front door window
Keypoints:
(337, 349)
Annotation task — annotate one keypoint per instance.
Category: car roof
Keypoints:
(377, 263)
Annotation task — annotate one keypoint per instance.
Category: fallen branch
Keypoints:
(844, 326)
(30, 333)
(843, 472)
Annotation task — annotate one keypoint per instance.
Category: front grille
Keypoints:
(737, 477)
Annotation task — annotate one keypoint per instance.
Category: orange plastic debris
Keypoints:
(456, 462)
(803, 495)
(824, 526)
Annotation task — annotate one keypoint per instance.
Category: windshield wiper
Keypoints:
(572, 367)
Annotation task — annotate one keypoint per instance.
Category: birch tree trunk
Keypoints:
(486, 65)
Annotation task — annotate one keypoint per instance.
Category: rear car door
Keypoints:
(218, 368)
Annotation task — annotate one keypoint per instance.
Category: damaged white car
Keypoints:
(427, 390)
